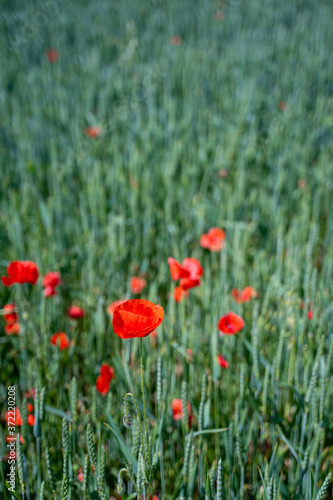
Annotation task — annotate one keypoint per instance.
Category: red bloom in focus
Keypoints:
(245, 295)
(21, 271)
(31, 420)
(230, 324)
(310, 314)
(222, 362)
(93, 132)
(104, 379)
(175, 40)
(111, 307)
(10, 316)
(136, 318)
(179, 294)
(12, 328)
(213, 240)
(177, 409)
(177, 270)
(61, 340)
(137, 284)
(52, 55)
(18, 419)
(76, 312)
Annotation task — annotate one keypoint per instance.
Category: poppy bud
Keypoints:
(121, 488)
(127, 421)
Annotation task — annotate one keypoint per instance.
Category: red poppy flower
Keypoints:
(80, 474)
(213, 240)
(310, 314)
(187, 283)
(49, 291)
(176, 40)
(136, 318)
(61, 340)
(12, 328)
(223, 173)
(222, 362)
(30, 394)
(177, 270)
(10, 315)
(18, 418)
(76, 312)
(51, 279)
(10, 439)
(193, 266)
(245, 295)
(230, 324)
(104, 379)
(21, 271)
(111, 307)
(93, 132)
(283, 106)
(177, 409)
(52, 55)
(30, 407)
(137, 284)
(179, 294)
(301, 183)
(31, 420)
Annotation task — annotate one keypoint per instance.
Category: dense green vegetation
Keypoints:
(230, 126)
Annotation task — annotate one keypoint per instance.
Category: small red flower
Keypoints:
(245, 295)
(177, 409)
(31, 420)
(301, 183)
(137, 284)
(76, 312)
(104, 379)
(10, 316)
(21, 271)
(283, 106)
(18, 418)
(176, 40)
(12, 328)
(193, 266)
(310, 314)
(223, 173)
(222, 362)
(230, 324)
(214, 240)
(61, 340)
(179, 294)
(177, 270)
(52, 55)
(50, 281)
(136, 318)
(93, 132)
(80, 474)
(111, 307)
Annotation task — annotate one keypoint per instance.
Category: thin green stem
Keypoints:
(140, 426)
(144, 402)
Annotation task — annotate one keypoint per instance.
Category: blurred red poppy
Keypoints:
(76, 312)
(104, 379)
(214, 240)
(230, 324)
(136, 318)
(80, 474)
(137, 284)
(222, 362)
(179, 294)
(245, 295)
(310, 314)
(17, 418)
(21, 271)
(111, 307)
(93, 132)
(12, 328)
(177, 270)
(52, 55)
(31, 420)
(176, 40)
(50, 281)
(177, 409)
(10, 315)
(61, 340)
(283, 106)
(193, 266)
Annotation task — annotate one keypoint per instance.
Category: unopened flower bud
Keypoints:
(127, 421)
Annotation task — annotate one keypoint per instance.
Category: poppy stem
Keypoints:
(139, 420)
(144, 404)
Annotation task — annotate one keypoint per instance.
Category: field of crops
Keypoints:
(178, 152)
